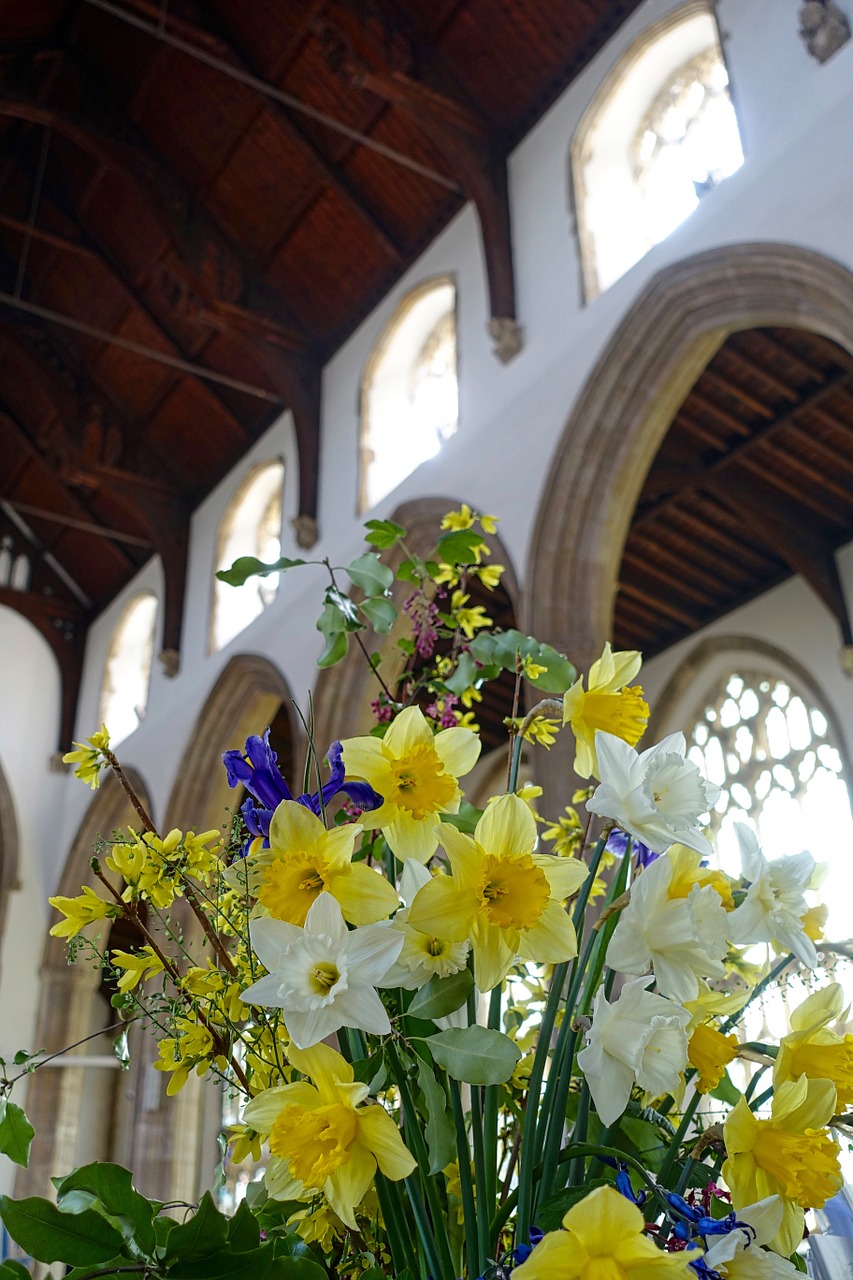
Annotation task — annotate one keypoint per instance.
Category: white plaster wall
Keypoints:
(796, 185)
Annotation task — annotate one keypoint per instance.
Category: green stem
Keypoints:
(393, 1215)
(463, 1152)
(762, 986)
(481, 1180)
(491, 1111)
(524, 1191)
(680, 1134)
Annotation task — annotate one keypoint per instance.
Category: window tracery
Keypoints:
(127, 671)
(250, 526)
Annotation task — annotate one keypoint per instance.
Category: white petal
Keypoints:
(360, 1006)
(325, 917)
(371, 951)
(308, 1027)
(271, 939)
(264, 992)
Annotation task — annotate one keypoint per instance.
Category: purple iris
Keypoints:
(618, 843)
(257, 770)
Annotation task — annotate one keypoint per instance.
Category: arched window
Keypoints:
(124, 694)
(251, 526)
(659, 135)
(409, 396)
(773, 752)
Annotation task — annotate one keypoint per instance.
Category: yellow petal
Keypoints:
(292, 826)
(466, 857)
(262, 1111)
(364, 895)
(741, 1128)
(552, 939)
(347, 1186)
(410, 729)
(443, 909)
(378, 1132)
(410, 837)
(325, 1067)
(458, 750)
(602, 1219)
(557, 1254)
(822, 1006)
(337, 845)
(507, 827)
(280, 1182)
(493, 958)
(803, 1104)
(790, 1233)
(564, 875)
(363, 757)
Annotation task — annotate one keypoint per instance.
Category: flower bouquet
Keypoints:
(459, 1041)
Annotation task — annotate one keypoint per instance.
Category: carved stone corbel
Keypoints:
(823, 28)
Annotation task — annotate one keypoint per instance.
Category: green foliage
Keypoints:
(204, 1233)
(255, 1264)
(441, 996)
(461, 546)
(439, 1132)
(369, 573)
(380, 612)
(466, 819)
(16, 1133)
(49, 1235)
(108, 1188)
(726, 1091)
(498, 650)
(475, 1055)
(383, 533)
(246, 567)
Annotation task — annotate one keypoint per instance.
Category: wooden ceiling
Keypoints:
(753, 482)
(200, 200)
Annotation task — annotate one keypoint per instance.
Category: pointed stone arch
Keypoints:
(8, 846)
(246, 696)
(343, 693)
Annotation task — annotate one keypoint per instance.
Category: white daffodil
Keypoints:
(682, 938)
(775, 903)
(324, 976)
(657, 795)
(640, 1038)
(738, 1254)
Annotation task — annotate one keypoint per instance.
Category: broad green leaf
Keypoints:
(292, 1268)
(726, 1091)
(247, 566)
(380, 612)
(407, 572)
(467, 673)
(106, 1269)
(254, 1264)
(204, 1233)
(12, 1270)
(501, 647)
(334, 650)
(48, 1235)
(476, 1055)
(348, 614)
(331, 621)
(113, 1186)
(459, 547)
(383, 533)
(16, 1133)
(439, 1132)
(244, 1231)
(550, 1212)
(465, 820)
(369, 573)
(441, 996)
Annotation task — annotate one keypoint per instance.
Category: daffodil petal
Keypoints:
(409, 730)
(364, 894)
(325, 1067)
(292, 826)
(280, 1182)
(552, 939)
(443, 909)
(410, 837)
(378, 1132)
(347, 1186)
(564, 875)
(493, 958)
(458, 750)
(507, 827)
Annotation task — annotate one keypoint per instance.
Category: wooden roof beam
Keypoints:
(710, 374)
(769, 339)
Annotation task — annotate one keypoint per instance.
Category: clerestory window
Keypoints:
(250, 526)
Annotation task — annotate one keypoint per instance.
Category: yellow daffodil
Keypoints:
(790, 1155)
(89, 759)
(814, 922)
(416, 773)
(603, 1239)
(812, 1050)
(501, 895)
(137, 966)
(303, 861)
(608, 704)
(322, 1137)
(710, 1052)
(79, 912)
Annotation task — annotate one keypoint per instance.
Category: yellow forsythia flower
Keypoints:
(79, 912)
(138, 966)
(468, 620)
(89, 759)
(461, 519)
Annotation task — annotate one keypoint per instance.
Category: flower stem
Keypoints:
(463, 1153)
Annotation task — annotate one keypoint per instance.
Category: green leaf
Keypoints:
(112, 1186)
(467, 673)
(383, 533)
(204, 1233)
(441, 996)
(726, 1091)
(293, 1268)
(48, 1235)
(476, 1055)
(459, 547)
(550, 1212)
(16, 1133)
(244, 1231)
(255, 1264)
(12, 1270)
(380, 612)
(334, 650)
(407, 571)
(247, 566)
(466, 819)
(331, 621)
(369, 573)
(439, 1132)
(501, 648)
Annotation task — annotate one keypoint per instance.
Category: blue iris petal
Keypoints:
(618, 843)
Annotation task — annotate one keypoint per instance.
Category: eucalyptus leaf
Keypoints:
(380, 612)
(48, 1235)
(439, 1132)
(369, 573)
(441, 996)
(16, 1133)
(476, 1055)
(245, 567)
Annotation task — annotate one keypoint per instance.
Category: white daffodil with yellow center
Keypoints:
(682, 938)
(321, 1136)
(323, 977)
(607, 704)
(775, 909)
(423, 955)
(791, 1155)
(639, 1039)
(305, 860)
(507, 900)
(657, 795)
(416, 772)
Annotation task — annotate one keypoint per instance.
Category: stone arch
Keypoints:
(245, 698)
(628, 403)
(343, 693)
(8, 846)
(92, 1112)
